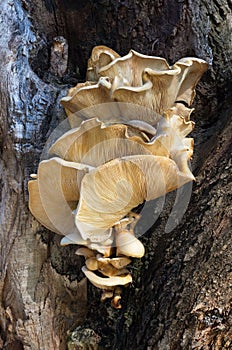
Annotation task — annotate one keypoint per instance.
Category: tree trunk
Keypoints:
(181, 294)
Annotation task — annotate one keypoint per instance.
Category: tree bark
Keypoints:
(181, 294)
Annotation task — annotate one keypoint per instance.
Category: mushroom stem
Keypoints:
(134, 218)
(115, 302)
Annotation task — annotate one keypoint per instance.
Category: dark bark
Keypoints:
(180, 298)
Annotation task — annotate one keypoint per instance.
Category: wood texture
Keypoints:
(181, 295)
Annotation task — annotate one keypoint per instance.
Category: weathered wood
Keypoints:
(180, 298)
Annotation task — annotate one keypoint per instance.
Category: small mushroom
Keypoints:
(105, 250)
(118, 263)
(115, 302)
(86, 252)
(102, 264)
(107, 283)
(109, 270)
(91, 261)
(127, 244)
(92, 264)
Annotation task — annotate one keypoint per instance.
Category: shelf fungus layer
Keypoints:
(135, 78)
(106, 166)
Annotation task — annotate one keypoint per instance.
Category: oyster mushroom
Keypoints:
(106, 266)
(139, 79)
(112, 268)
(98, 92)
(86, 252)
(36, 206)
(100, 57)
(55, 193)
(106, 283)
(91, 264)
(115, 302)
(123, 184)
(126, 242)
(110, 165)
(109, 270)
(96, 143)
(104, 247)
(118, 263)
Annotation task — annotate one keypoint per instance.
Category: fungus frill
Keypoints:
(102, 169)
(135, 78)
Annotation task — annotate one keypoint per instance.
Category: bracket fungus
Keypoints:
(102, 169)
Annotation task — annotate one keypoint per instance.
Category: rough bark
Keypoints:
(181, 295)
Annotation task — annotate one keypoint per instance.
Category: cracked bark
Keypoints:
(180, 298)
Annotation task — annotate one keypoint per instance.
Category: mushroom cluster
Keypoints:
(105, 167)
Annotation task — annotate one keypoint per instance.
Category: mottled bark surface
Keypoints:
(181, 295)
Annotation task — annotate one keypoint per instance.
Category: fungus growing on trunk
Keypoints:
(135, 78)
(102, 169)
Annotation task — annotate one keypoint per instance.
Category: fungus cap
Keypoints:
(55, 193)
(139, 79)
(95, 143)
(107, 283)
(111, 191)
(118, 263)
